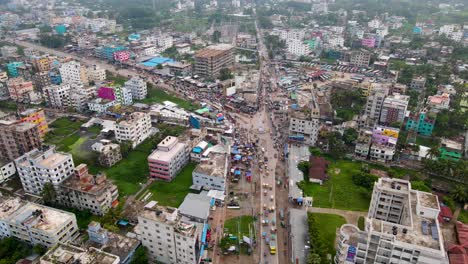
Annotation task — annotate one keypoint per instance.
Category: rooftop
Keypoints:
(214, 166)
(64, 254)
(133, 118)
(213, 51)
(196, 205)
(9, 205)
(41, 217)
(166, 156)
(450, 144)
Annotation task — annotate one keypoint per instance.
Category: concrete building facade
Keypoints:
(168, 159)
(211, 173)
(209, 61)
(135, 128)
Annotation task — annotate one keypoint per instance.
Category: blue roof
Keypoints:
(197, 150)
(156, 61)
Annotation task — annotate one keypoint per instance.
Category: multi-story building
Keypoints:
(383, 143)
(17, 138)
(363, 143)
(297, 47)
(167, 236)
(303, 127)
(36, 224)
(41, 80)
(41, 166)
(100, 105)
(360, 58)
(73, 72)
(450, 149)
(80, 95)
(422, 122)
(109, 153)
(85, 191)
(121, 94)
(374, 103)
(13, 68)
(66, 253)
(35, 116)
(3, 76)
(209, 61)
(58, 96)
(19, 89)
(41, 64)
(8, 51)
(401, 227)
(418, 83)
(211, 172)
(96, 73)
(438, 102)
(394, 109)
(135, 128)
(137, 87)
(168, 159)
(7, 170)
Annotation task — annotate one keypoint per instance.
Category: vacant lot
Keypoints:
(324, 231)
(157, 95)
(244, 222)
(339, 191)
(173, 193)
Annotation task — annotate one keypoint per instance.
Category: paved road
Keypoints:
(350, 216)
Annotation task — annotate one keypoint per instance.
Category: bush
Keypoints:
(304, 166)
(420, 186)
(365, 180)
(361, 223)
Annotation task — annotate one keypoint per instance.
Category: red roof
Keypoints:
(318, 168)
(458, 258)
(458, 254)
(462, 233)
(446, 212)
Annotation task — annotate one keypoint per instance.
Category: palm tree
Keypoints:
(433, 152)
(460, 194)
(49, 195)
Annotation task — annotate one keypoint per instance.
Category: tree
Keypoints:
(216, 36)
(336, 148)
(12, 250)
(349, 136)
(140, 256)
(39, 249)
(433, 152)
(304, 166)
(225, 74)
(420, 186)
(49, 194)
(365, 180)
(125, 148)
(459, 194)
(314, 258)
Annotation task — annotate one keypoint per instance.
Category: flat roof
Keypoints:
(9, 205)
(213, 51)
(41, 217)
(63, 254)
(166, 156)
(53, 160)
(196, 205)
(214, 166)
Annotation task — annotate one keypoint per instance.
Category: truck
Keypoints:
(272, 247)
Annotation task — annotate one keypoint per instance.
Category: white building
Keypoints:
(165, 41)
(100, 105)
(35, 223)
(7, 170)
(288, 34)
(66, 253)
(135, 128)
(8, 51)
(211, 172)
(452, 31)
(73, 72)
(168, 238)
(401, 227)
(137, 87)
(374, 23)
(38, 167)
(335, 41)
(297, 47)
(80, 96)
(96, 73)
(57, 96)
(301, 125)
(374, 103)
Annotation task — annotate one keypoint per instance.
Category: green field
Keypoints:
(232, 225)
(157, 95)
(323, 228)
(173, 193)
(339, 191)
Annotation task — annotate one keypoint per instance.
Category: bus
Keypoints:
(272, 247)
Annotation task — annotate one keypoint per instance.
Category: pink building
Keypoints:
(168, 159)
(122, 55)
(18, 89)
(368, 42)
(106, 93)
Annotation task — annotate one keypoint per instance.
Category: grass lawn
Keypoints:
(425, 141)
(326, 225)
(463, 216)
(339, 191)
(173, 193)
(361, 223)
(157, 95)
(231, 225)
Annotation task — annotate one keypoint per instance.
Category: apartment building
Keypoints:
(100, 105)
(96, 73)
(209, 61)
(168, 159)
(17, 138)
(3, 76)
(394, 109)
(85, 191)
(422, 122)
(383, 146)
(41, 80)
(418, 83)
(57, 96)
(35, 116)
(363, 143)
(73, 72)
(304, 128)
(360, 58)
(7, 170)
(121, 94)
(451, 150)
(135, 128)
(137, 87)
(297, 47)
(211, 172)
(44, 165)
(109, 153)
(41, 64)
(438, 102)
(167, 236)
(19, 89)
(374, 103)
(36, 224)
(8, 51)
(401, 227)
(80, 95)
(67, 253)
